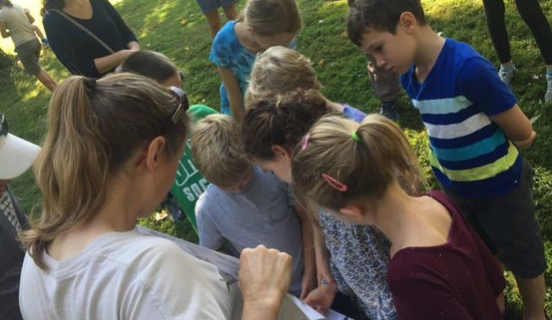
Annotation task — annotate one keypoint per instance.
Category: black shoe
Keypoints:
(387, 109)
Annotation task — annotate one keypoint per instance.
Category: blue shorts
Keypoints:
(210, 5)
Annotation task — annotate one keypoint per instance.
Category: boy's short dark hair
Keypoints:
(381, 15)
(150, 64)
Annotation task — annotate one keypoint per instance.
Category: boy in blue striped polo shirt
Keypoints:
(475, 128)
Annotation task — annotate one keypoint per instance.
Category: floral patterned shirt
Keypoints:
(359, 257)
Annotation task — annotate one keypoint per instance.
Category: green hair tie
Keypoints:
(356, 137)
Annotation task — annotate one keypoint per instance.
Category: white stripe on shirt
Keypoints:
(456, 130)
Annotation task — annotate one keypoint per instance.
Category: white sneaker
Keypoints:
(548, 94)
(506, 74)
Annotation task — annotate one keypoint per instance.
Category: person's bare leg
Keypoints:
(213, 21)
(230, 12)
(46, 80)
(532, 293)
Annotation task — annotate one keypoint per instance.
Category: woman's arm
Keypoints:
(133, 45)
(107, 63)
(234, 92)
(121, 25)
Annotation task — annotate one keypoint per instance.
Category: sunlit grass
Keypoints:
(178, 29)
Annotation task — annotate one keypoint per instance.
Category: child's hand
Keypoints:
(307, 285)
(527, 142)
(322, 297)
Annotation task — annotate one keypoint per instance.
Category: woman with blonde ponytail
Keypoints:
(109, 158)
(367, 174)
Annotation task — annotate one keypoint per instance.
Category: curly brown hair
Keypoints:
(280, 120)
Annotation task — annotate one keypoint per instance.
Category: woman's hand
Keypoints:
(265, 275)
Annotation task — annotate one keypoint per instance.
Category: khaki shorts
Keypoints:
(28, 53)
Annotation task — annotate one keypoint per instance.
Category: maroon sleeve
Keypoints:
(418, 298)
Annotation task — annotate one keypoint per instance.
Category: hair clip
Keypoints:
(356, 137)
(306, 142)
(339, 186)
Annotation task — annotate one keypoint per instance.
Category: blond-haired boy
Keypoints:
(246, 206)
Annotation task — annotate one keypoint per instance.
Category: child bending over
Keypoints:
(246, 206)
(367, 174)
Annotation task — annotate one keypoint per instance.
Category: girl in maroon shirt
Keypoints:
(368, 174)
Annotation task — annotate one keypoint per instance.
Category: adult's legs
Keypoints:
(386, 86)
(230, 12)
(494, 10)
(533, 16)
(213, 21)
(46, 80)
(535, 19)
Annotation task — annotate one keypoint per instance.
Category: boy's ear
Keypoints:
(407, 21)
(280, 151)
(353, 213)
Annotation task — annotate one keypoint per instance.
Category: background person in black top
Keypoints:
(79, 52)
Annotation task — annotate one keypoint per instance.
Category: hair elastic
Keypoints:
(90, 86)
(356, 137)
(339, 186)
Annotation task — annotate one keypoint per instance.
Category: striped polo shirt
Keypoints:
(469, 154)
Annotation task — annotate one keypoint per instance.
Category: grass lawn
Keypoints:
(177, 28)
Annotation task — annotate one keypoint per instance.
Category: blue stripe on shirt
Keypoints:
(476, 162)
(471, 151)
(450, 118)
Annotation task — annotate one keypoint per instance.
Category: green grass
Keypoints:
(177, 28)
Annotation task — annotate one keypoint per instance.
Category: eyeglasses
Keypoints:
(181, 75)
(182, 106)
(3, 125)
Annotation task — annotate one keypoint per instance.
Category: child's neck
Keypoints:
(245, 38)
(410, 221)
(429, 47)
(392, 209)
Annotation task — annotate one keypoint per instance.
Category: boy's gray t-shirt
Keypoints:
(262, 213)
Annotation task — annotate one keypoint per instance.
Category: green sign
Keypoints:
(190, 183)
